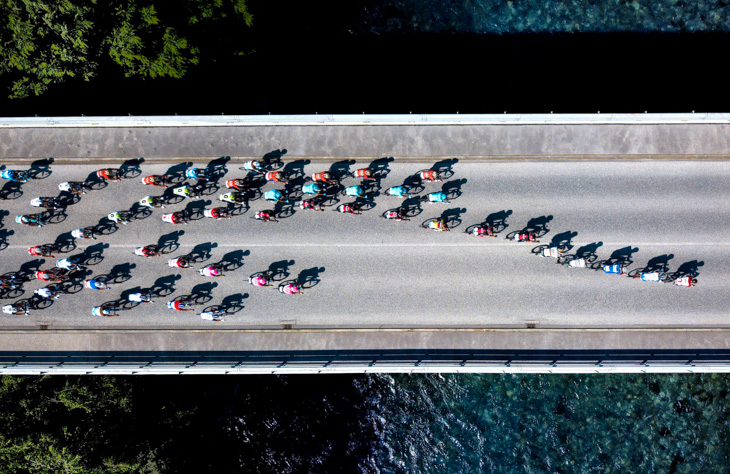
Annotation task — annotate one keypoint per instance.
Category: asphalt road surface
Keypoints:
(365, 271)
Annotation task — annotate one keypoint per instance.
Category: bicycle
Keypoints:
(74, 187)
(45, 250)
(120, 217)
(395, 215)
(438, 225)
(352, 208)
(84, 233)
(261, 279)
(15, 175)
(179, 262)
(156, 180)
(110, 174)
(148, 251)
(214, 270)
(31, 220)
(17, 307)
(106, 310)
(217, 213)
(181, 305)
(50, 203)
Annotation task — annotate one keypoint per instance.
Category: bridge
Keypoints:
(646, 190)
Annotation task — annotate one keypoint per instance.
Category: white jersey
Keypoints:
(44, 292)
(210, 316)
(136, 298)
(65, 263)
(653, 276)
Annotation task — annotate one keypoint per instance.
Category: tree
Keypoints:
(47, 43)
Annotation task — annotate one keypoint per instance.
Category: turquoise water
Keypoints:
(551, 423)
(548, 16)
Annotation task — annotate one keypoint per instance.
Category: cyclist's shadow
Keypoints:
(280, 270)
(658, 264)
(689, 269)
(445, 167)
(452, 217)
(11, 190)
(309, 277)
(201, 252)
(40, 169)
(202, 293)
(538, 225)
(563, 239)
(295, 170)
(168, 243)
(176, 173)
(232, 304)
(272, 160)
(4, 234)
(27, 270)
(341, 169)
(93, 255)
(452, 189)
(218, 168)
(94, 182)
(623, 256)
(165, 286)
(380, 167)
(233, 260)
(130, 169)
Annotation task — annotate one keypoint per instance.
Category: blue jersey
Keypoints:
(273, 195)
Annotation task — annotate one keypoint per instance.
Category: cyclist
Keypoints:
(119, 217)
(573, 262)
(214, 316)
(32, 220)
(364, 173)
(187, 191)
(178, 217)
(260, 280)
(399, 191)
(74, 187)
(111, 174)
(148, 251)
(438, 197)
(105, 310)
(8, 281)
(155, 180)
(145, 297)
(276, 195)
(181, 305)
(45, 250)
(439, 225)
(430, 175)
(48, 275)
(15, 175)
(50, 292)
(253, 165)
(613, 268)
(240, 184)
(650, 276)
(524, 237)
(15, 308)
(213, 270)
(311, 204)
(351, 208)
(266, 216)
(355, 191)
(482, 231)
(85, 233)
(276, 176)
(324, 177)
(46, 202)
(70, 264)
(233, 197)
(197, 173)
(396, 215)
(151, 201)
(99, 283)
(551, 252)
(179, 262)
(685, 281)
(313, 188)
(217, 213)
(291, 289)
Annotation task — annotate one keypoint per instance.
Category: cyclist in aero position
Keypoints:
(70, 264)
(45, 250)
(614, 268)
(119, 217)
(261, 280)
(148, 251)
(98, 283)
(84, 233)
(181, 305)
(217, 213)
(430, 175)
(313, 188)
(142, 297)
(213, 315)
(155, 180)
(178, 217)
(198, 173)
(276, 195)
(111, 174)
(438, 225)
(16, 308)
(350, 208)
(524, 237)
(15, 175)
(291, 289)
(49, 203)
(253, 165)
(437, 197)
(650, 276)
(9, 281)
(312, 204)
(50, 275)
(32, 220)
(483, 231)
(50, 292)
(396, 215)
(151, 201)
(233, 197)
(355, 191)
(105, 310)
(276, 177)
(266, 216)
(187, 191)
(686, 281)
(324, 177)
(572, 262)
(399, 191)
(213, 270)
(364, 173)
(179, 262)
(73, 187)
(239, 184)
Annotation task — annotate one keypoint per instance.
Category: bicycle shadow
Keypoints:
(67, 199)
(283, 210)
(202, 293)
(381, 167)
(70, 287)
(175, 174)
(40, 169)
(452, 189)
(40, 303)
(169, 197)
(130, 169)
(414, 184)
(217, 167)
(280, 270)
(411, 207)
(138, 212)
(54, 216)
(3, 214)
(238, 209)
(169, 243)
(105, 227)
(233, 260)
(11, 190)
(658, 264)
(622, 256)
(93, 254)
(445, 167)
(341, 169)
(121, 272)
(201, 252)
(310, 277)
(27, 270)
(588, 251)
(563, 239)
(689, 269)
(272, 160)
(194, 209)
(165, 286)
(452, 217)
(65, 243)
(295, 170)
(94, 182)
(232, 304)
(4, 234)
(538, 225)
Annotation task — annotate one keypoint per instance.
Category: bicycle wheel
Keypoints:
(538, 250)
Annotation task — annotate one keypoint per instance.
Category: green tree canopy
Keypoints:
(43, 43)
